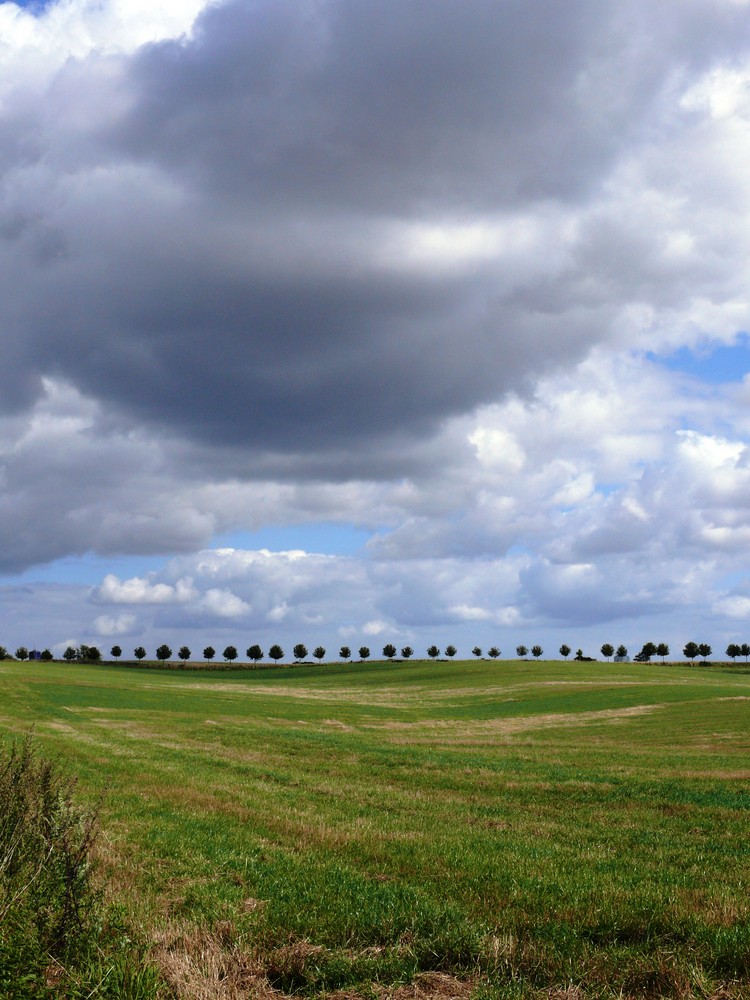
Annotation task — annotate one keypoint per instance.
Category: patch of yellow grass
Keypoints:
(486, 730)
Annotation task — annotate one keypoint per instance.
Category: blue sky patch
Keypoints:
(715, 364)
(33, 6)
(89, 569)
(330, 539)
(85, 570)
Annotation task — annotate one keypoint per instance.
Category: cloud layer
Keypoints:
(287, 262)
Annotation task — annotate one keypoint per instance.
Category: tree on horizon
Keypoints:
(690, 650)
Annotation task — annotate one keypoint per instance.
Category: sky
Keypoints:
(342, 322)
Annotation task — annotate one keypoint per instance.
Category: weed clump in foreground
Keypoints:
(54, 935)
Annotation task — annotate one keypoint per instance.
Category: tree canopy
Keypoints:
(690, 650)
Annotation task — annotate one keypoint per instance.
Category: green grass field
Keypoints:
(494, 829)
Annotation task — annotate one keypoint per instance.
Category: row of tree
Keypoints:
(91, 654)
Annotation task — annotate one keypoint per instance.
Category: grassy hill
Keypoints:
(487, 828)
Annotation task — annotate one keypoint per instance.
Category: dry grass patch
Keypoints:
(198, 800)
(742, 774)
(449, 731)
(565, 993)
(208, 965)
(429, 986)
(80, 735)
(426, 986)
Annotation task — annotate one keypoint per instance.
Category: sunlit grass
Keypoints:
(516, 826)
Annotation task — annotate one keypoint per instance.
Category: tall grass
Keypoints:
(56, 938)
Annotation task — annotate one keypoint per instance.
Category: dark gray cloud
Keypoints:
(394, 107)
(409, 108)
(216, 236)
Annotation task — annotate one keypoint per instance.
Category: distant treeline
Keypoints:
(255, 654)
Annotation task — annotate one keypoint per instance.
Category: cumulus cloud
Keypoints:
(375, 628)
(114, 625)
(619, 515)
(139, 591)
(408, 268)
(263, 224)
(224, 603)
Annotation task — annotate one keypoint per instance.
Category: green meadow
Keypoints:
(474, 829)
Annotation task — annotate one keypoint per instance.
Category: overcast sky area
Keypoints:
(348, 322)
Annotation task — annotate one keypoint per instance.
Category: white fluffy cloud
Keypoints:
(139, 591)
(114, 625)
